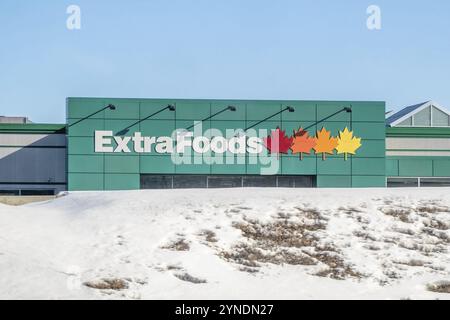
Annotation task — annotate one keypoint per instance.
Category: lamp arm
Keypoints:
(290, 109)
(109, 106)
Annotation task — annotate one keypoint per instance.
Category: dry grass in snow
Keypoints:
(236, 244)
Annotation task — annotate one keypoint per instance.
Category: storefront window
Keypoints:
(149, 181)
(402, 182)
(435, 182)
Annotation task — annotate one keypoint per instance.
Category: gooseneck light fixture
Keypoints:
(229, 108)
(346, 109)
(125, 130)
(109, 106)
(288, 108)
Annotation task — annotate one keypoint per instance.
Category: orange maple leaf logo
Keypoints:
(302, 142)
(325, 144)
(278, 142)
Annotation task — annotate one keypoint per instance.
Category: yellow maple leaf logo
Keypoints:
(347, 143)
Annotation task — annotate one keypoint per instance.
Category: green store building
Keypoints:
(127, 144)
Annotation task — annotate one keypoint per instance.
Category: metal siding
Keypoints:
(293, 165)
(121, 164)
(334, 181)
(34, 140)
(122, 181)
(392, 167)
(410, 166)
(85, 181)
(32, 159)
(415, 168)
(368, 181)
(418, 143)
(368, 123)
(441, 168)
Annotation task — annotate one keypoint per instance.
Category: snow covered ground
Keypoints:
(229, 244)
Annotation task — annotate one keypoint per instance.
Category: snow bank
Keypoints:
(229, 244)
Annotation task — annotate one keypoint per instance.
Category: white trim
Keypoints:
(417, 110)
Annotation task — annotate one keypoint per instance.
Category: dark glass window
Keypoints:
(37, 192)
(9, 192)
(260, 181)
(435, 182)
(149, 181)
(156, 182)
(224, 182)
(402, 182)
(286, 182)
(296, 181)
(189, 182)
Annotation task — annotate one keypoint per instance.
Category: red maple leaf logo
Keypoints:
(278, 142)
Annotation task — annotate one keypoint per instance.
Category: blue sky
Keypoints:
(247, 49)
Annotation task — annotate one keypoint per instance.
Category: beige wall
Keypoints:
(438, 147)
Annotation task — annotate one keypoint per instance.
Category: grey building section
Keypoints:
(32, 159)
(14, 120)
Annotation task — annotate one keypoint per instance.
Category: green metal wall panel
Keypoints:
(122, 181)
(193, 110)
(268, 125)
(326, 109)
(85, 128)
(85, 181)
(224, 168)
(259, 110)
(156, 164)
(237, 115)
(405, 166)
(184, 124)
(121, 164)
(334, 181)
(256, 169)
(80, 145)
(85, 163)
(290, 126)
(200, 168)
(368, 181)
(392, 168)
(117, 126)
(78, 108)
(415, 168)
(304, 111)
(334, 166)
(153, 128)
(149, 107)
(371, 130)
(291, 165)
(369, 166)
(367, 111)
(441, 168)
(443, 132)
(371, 148)
(223, 125)
(124, 110)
